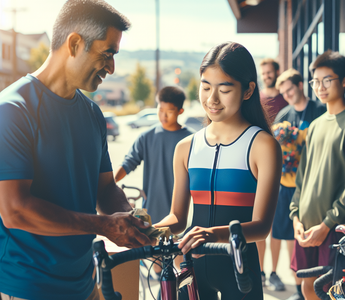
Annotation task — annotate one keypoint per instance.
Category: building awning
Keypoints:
(255, 16)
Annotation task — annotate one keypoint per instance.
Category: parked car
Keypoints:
(195, 122)
(112, 126)
(146, 117)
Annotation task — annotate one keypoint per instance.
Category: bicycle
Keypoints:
(132, 199)
(171, 281)
(330, 274)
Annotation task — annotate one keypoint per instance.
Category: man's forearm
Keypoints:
(112, 200)
(44, 218)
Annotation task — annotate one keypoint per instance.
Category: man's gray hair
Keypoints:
(89, 18)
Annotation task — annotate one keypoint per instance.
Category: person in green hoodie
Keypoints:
(318, 203)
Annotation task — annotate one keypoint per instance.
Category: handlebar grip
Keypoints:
(313, 272)
(107, 287)
(129, 255)
(320, 282)
(108, 262)
(327, 277)
(212, 249)
(238, 247)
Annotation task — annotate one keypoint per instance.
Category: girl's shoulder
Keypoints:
(265, 143)
(185, 143)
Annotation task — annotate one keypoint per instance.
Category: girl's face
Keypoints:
(220, 95)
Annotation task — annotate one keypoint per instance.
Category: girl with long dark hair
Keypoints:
(231, 169)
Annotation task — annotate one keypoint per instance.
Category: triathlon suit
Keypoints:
(223, 189)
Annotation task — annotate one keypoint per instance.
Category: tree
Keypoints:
(192, 89)
(140, 86)
(185, 77)
(38, 56)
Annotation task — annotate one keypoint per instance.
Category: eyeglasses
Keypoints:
(326, 82)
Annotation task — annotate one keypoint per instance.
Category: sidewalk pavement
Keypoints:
(283, 271)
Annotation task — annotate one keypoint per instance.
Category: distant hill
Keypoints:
(188, 62)
(125, 62)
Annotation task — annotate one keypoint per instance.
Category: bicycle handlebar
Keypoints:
(239, 258)
(141, 193)
(326, 277)
(237, 246)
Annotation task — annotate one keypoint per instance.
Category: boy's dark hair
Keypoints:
(172, 94)
(267, 61)
(89, 18)
(332, 60)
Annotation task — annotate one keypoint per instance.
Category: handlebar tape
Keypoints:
(321, 282)
(327, 277)
(212, 249)
(108, 288)
(313, 272)
(244, 282)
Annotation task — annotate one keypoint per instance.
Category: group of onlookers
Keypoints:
(312, 190)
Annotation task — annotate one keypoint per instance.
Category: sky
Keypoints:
(185, 25)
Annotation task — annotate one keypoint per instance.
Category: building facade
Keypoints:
(15, 49)
(306, 28)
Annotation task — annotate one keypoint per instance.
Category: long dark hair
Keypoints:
(236, 61)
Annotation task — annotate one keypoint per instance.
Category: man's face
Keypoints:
(90, 68)
(291, 92)
(268, 75)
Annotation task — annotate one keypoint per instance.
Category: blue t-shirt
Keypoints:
(61, 145)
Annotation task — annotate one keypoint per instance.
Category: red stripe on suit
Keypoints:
(223, 198)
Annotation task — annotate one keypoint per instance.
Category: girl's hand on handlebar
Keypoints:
(196, 237)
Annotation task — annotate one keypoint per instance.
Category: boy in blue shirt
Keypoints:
(155, 147)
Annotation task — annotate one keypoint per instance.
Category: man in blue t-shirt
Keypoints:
(55, 167)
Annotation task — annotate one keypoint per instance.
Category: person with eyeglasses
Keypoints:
(318, 203)
(290, 129)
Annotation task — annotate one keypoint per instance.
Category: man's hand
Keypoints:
(315, 236)
(123, 229)
(298, 230)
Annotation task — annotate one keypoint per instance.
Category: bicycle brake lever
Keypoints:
(236, 252)
(97, 261)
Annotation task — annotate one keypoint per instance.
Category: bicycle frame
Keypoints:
(171, 283)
